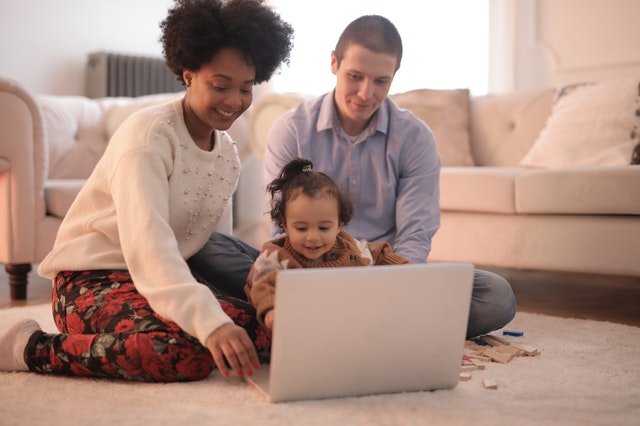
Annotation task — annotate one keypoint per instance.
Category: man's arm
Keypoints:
(282, 147)
(418, 198)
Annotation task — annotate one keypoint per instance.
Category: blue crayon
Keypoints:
(511, 332)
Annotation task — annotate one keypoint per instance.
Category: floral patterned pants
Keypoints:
(108, 329)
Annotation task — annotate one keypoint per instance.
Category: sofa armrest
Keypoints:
(23, 150)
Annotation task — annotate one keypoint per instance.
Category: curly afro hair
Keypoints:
(195, 30)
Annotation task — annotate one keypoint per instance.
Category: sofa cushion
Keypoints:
(479, 189)
(590, 125)
(75, 135)
(59, 194)
(78, 129)
(505, 126)
(595, 190)
(446, 112)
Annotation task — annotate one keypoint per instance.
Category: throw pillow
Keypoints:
(446, 112)
(591, 124)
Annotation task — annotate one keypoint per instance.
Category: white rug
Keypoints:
(588, 373)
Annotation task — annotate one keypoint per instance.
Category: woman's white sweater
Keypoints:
(151, 202)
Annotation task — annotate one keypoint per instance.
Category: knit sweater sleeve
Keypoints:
(261, 281)
(140, 192)
(383, 254)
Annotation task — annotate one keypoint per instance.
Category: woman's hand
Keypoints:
(268, 319)
(231, 346)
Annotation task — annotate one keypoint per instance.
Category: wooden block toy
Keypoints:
(477, 363)
(497, 356)
(528, 350)
(468, 344)
(465, 376)
(490, 383)
(509, 349)
(491, 341)
(500, 339)
(479, 357)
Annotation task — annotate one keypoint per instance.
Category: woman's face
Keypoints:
(219, 92)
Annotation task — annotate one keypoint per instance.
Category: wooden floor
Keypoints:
(587, 296)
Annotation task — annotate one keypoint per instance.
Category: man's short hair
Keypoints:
(373, 32)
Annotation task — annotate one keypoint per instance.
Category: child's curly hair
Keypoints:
(195, 30)
(297, 177)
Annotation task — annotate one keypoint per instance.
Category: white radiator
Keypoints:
(112, 74)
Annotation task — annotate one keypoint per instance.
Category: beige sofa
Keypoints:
(498, 213)
(48, 147)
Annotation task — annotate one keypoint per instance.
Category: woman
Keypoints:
(124, 299)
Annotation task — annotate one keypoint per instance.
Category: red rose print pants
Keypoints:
(108, 329)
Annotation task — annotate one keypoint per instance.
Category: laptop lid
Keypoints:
(357, 331)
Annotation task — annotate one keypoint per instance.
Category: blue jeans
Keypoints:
(493, 304)
(224, 263)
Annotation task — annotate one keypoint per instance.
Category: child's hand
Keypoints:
(268, 319)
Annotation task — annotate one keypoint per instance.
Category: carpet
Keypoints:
(588, 373)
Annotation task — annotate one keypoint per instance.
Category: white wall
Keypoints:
(44, 43)
(548, 43)
(535, 43)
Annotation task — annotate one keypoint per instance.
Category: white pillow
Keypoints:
(591, 124)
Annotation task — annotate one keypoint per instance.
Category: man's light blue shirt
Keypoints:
(390, 171)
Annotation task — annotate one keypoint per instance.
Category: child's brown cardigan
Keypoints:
(278, 255)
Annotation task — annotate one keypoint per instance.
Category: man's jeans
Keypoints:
(224, 263)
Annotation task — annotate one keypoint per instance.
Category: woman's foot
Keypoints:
(13, 342)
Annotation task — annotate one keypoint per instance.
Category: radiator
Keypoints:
(112, 74)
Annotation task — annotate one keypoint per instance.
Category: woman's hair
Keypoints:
(297, 177)
(374, 32)
(195, 30)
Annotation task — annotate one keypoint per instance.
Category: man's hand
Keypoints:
(268, 319)
(231, 346)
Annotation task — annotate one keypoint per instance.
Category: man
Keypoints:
(383, 157)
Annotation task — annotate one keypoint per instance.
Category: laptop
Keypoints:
(356, 331)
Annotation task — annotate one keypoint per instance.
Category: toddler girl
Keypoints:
(311, 210)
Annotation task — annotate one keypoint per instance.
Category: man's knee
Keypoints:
(493, 304)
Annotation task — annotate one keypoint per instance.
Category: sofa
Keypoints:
(48, 147)
(517, 190)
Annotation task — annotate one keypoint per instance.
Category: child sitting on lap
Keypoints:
(311, 210)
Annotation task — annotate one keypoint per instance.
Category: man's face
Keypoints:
(363, 79)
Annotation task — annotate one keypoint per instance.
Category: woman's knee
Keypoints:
(170, 358)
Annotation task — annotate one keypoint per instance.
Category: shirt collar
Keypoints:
(328, 117)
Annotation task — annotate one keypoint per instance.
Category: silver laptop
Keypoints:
(358, 331)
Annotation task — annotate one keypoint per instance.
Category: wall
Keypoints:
(535, 43)
(548, 43)
(44, 43)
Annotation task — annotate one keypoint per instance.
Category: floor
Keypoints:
(587, 296)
